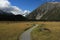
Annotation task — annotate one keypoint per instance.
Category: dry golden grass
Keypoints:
(12, 30)
(54, 27)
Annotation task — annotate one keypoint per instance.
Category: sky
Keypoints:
(22, 7)
(29, 4)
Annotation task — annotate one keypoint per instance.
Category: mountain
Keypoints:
(4, 16)
(46, 12)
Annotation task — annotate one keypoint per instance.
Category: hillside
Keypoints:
(46, 12)
(4, 16)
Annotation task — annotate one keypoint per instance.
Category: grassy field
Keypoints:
(46, 31)
(12, 30)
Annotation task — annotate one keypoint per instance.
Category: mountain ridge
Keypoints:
(4, 16)
(40, 12)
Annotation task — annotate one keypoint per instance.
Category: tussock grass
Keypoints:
(12, 30)
(54, 27)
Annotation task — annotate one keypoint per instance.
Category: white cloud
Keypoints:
(6, 6)
(4, 3)
(15, 10)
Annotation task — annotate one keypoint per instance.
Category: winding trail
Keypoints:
(27, 34)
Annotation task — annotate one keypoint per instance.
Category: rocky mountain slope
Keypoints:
(47, 12)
